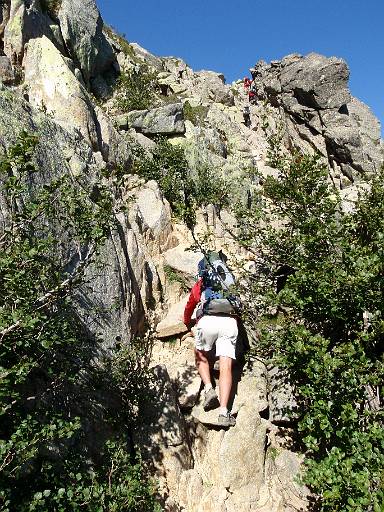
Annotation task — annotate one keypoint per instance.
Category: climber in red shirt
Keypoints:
(211, 330)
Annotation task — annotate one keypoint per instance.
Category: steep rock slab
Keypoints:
(53, 87)
(112, 303)
(7, 76)
(167, 120)
(82, 29)
(24, 22)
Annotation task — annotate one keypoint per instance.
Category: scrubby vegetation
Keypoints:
(184, 189)
(136, 89)
(51, 7)
(196, 114)
(327, 324)
(54, 396)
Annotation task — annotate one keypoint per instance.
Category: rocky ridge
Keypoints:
(53, 62)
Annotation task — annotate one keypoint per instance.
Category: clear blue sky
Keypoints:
(231, 36)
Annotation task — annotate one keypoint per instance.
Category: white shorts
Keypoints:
(221, 330)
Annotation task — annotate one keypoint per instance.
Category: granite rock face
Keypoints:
(166, 120)
(312, 94)
(53, 86)
(240, 469)
(82, 29)
(129, 278)
(147, 261)
(23, 21)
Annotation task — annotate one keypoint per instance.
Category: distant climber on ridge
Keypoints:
(216, 325)
(250, 89)
(247, 116)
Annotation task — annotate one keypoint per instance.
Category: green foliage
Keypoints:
(136, 90)
(167, 165)
(49, 460)
(184, 190)
(51, 7)
(210, 187)
(175, 277)
(331, 327)
(196, 114)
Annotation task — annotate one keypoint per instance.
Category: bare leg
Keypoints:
(202, 365)
(225, 380)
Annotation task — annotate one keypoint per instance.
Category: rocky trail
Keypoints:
(59, 77)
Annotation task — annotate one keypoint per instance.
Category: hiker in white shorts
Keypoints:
(219, 331)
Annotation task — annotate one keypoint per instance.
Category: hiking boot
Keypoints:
(211, 400)
(227, 420)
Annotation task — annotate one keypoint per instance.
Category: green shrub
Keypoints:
(333, 354)
(185, 191)
(136, 90)
(53, 399)
(51, 7)
(175, 277)
(210, 187)
(168, 166)
(196, 115)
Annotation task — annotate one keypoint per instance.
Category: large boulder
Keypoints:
(53, 87)
(154, 215)
(316, 81)
(166, 120)
(82, 29)
(173, 324)
(211, 87)
(183, 261)
(25, 21)
(312, 95)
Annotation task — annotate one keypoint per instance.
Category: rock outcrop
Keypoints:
(319, 112)
(245, 468)
(167, 120)
(82, 29)
(52, 86)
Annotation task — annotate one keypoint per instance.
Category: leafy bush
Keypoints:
(194, 114)
(185, 191)
(53, 399)
(51, 7)
(167, 165)
(176, 277)
(330, 328)
(210, 187)
(136, 90)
